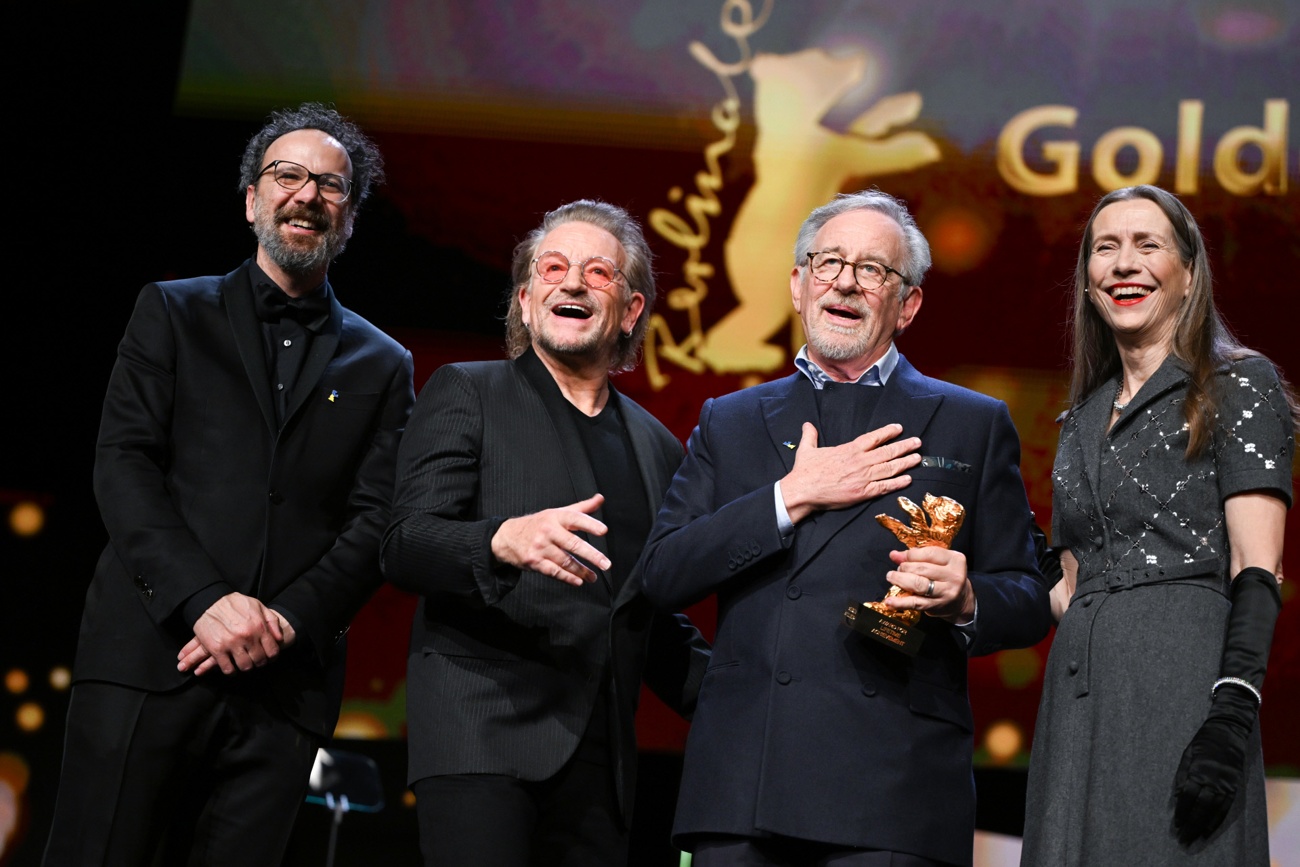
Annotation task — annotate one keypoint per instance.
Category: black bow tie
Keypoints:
(311, 311)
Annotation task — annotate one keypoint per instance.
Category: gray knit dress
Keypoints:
(1129, 674)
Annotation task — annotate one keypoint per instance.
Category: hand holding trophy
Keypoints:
(934, 524)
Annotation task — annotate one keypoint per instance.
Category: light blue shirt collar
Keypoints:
(877, 374)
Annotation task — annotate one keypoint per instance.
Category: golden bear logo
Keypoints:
(799, 164)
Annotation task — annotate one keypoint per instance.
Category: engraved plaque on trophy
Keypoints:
(934, 524)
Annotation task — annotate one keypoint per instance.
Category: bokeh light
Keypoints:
(30, 716)
(16, 681)
(960, 239)
(26, 519)
(60, 677)
(14, 774)
(1003, 741)
(362, 726)
(1019, 668)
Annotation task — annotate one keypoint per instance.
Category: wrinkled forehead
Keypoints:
(319, 151)
(862, 234)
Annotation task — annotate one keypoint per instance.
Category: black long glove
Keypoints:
(1213, 765)
(1049, 558)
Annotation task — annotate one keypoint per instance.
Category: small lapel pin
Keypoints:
(789, 444)
(333, 394)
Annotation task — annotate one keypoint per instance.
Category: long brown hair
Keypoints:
(1201, 339)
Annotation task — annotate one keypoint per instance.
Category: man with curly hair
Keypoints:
(244, 472)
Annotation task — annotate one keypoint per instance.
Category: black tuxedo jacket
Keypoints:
(804, 727)
(506, 666)
(199, 489)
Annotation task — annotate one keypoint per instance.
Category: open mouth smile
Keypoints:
(842, 313)
(1127, 294)
(571, 311)
(304, 221)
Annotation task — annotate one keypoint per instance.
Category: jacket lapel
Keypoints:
(908, 401)
(643, 450)
(323, 347)
(1169, 375)
(785, 414)
(1090, 420)
(237, 295)
(567, 437)
(1092, 416)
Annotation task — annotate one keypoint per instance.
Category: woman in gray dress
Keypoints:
(1171, 485)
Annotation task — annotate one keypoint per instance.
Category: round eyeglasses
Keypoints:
(597, 272)
(291, 176)
(870, 275)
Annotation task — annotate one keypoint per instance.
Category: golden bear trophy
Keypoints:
(934, 523)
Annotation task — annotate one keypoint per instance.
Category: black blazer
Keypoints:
(804, 727)
(198, 489)
(505, 666)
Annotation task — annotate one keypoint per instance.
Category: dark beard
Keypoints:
(298, 259)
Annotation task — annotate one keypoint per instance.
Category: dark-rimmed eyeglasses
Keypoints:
(291, 176)
(869, 274)
(597, 272)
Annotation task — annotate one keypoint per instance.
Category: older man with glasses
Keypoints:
(833, 727)
(244, 471)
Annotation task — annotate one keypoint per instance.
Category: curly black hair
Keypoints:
(367, 163)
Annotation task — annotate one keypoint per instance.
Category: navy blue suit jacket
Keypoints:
(805, 728)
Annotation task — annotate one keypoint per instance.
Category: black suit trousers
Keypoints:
(569, 820)
(207, 774)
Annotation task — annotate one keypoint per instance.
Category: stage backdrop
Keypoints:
(721, 123)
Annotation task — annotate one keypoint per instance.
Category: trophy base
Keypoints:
(887, 630)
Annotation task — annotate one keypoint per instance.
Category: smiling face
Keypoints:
(1136, 277)
(848, 328)
(299, 233)
(568, 321)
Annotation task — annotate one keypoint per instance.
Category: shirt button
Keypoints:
(783, 677)
(279, 386)
(1087, 600)
(275, 498)
(288, 342)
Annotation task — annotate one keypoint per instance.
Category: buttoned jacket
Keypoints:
(804, 727)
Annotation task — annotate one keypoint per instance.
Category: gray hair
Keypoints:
(367, 162)
(917, 249)
(638, 274)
